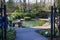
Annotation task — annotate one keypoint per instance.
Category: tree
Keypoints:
(33, 8)
(10, 5)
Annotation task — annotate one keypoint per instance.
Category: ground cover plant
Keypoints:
(11, 34)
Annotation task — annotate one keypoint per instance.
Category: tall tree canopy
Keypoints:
(10, 5)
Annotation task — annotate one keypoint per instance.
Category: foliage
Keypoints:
(10, 6)
(11, 34)
(14, 15)
(34, 10)
(43, 14)
(58, 6)
(27, 18)
(46, 32)
(17, 15)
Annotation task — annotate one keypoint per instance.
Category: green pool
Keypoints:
(34, 23)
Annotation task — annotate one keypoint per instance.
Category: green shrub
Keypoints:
(11, 34)
(27, 18)
(46, 33)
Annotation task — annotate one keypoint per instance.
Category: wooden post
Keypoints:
(54, 18)
(1, 23)
(52, 23)
(4, 19)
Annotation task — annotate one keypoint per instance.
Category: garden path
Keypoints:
(28, 34)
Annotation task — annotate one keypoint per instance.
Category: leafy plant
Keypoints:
(46, 33)
(11, 34)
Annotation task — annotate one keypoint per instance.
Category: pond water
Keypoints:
(34, 23)
(30, 23)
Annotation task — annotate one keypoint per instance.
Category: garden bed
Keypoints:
(47, 33)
